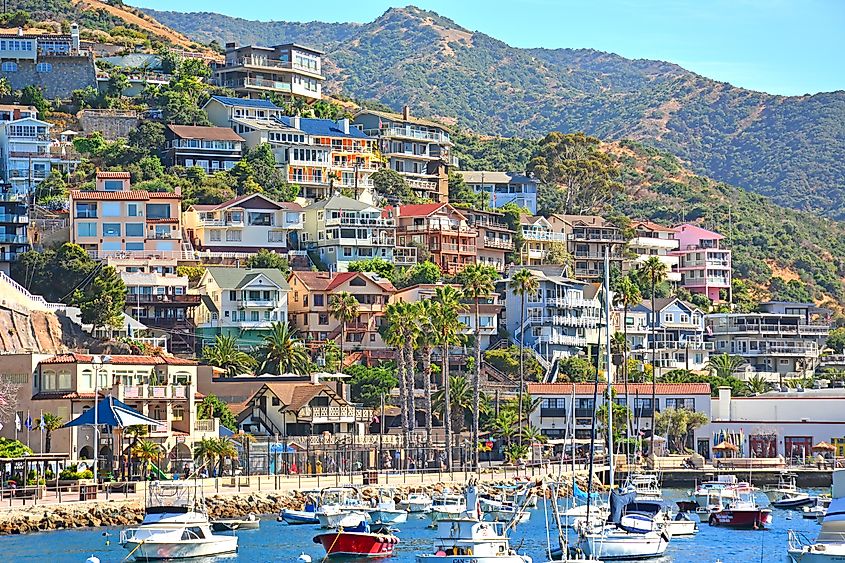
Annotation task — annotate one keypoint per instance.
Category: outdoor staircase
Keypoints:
(187, 248)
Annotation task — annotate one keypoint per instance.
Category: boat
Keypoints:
(720, 490)
(829, 546)
(415, 503)
(508, 512)
(446, 506)
(791, 501)
(248, 522)
(679, 524)
(646, 485)
(786, 486)
(308, 514)
(742, 512)
(341, 506)
(358, 541)
(467, 538)
(385, 510)
(175, 526)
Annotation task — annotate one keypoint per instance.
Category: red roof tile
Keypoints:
(202, 132)
(419, 210)
(633, 388)
(113, 175)
(340, 278)
(68, 359)
(162, 220)
(120, 360)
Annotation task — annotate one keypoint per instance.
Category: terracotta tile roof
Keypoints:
(652, 226)
(120, 360)
(106, 175)
(131, 195)
(294, 396)
(208, 133)
(316, 281)
(160, 221)
(633, 388)
(71, 358)
(419, 210)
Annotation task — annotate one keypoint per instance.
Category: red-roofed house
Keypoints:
(115, 220)
(440, 228)
(554, 414)
(308, 307)
(162, 387)
(704, 265)
(245, 224)
(211, 148)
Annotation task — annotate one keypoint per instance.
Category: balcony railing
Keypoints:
(597, 237)
(543, 235)
(270, 63)
(13, 239)
(344, 413)
(13, 218)
(498, 243)
(360, 222)
(409, 133)
(259, 83)
(210, 425)
(552, 413)
(404, 255)
(572, 302)
(175, 392)
(219, 223)
(439, 227)
(148, 298)
(260, 303)
(583, 413)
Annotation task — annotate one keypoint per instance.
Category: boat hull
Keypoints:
(389, 516)
(791, 503)
(346, 519)
(354, 544)
(682, 528)
(474, 559)
(295, 517)
(811, 554)
(151, 551)
(746, 519)
(620, 547)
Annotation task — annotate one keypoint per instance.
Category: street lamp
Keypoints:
(98, 361)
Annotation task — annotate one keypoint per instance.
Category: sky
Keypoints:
(778, 46)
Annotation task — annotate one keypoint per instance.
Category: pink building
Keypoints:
(704, 265)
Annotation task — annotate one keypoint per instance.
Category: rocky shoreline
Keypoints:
(94, 514)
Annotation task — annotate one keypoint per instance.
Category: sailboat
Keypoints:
(622, 537)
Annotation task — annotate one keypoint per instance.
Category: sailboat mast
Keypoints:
(608, 363)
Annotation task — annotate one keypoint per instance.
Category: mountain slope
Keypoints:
(792, 148)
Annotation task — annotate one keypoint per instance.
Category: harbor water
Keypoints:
(277, 542)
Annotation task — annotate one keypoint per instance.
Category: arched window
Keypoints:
(178, 412)
(64, 380)
(48, 380)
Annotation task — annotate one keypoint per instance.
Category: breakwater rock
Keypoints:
(76, 515)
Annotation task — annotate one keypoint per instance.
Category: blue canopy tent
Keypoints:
(111, 412)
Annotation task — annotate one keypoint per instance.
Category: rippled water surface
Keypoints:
(276, 541)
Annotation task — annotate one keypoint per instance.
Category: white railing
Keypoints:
(179, 392)
(360, 222)
(37, 299)
(572, 302)
(211, 425)
(498, 243)
(336, 413)
(142, 254)
(409, 133)
(530, 234)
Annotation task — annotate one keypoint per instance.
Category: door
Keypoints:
(703, 448)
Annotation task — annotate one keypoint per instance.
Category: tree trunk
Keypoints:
(476, 389)
(521, 363)
(48, 441)
(625, 378)
(403, 388)
(342, 338)
(447, 406)
(410, 375)
(427, 387)
(653, 365)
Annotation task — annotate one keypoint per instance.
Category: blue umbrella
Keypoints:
(224, 432)
(111, 412)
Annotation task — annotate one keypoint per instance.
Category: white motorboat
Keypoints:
(446, 506)
(678, 525)
(175, 526)
(719, 491)
(612, 543)
(338, 502)
(791, 501)
(646, 485)
(332, 517)
(577, 515)
(829, 546)
(416, 502)
(786, 486)
(507, 512)
(468, 539)
(308, 514)
(385, 510)
(248, 522)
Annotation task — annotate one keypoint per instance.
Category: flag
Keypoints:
(28, 422)
(17, 422)
(43, 425)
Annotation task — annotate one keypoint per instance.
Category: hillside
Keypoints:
(792, 148)
(768, 241)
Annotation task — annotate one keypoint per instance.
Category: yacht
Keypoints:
(715, 493)
(646, 485)
(829, 546)
(416, 502)
(384, 509)
(446, 506)
(175, 526)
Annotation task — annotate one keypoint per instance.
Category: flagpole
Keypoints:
(41, 433)
(28, 426)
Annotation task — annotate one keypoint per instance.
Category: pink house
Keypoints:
(704, 265)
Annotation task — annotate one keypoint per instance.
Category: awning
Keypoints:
(224, 432)
(111, 412)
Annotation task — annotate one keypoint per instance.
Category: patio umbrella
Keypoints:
(111, 412)
(824, 447)
(725, 447)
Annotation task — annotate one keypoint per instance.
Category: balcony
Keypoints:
(207, 425)
(537, 235)
(405, 255)
(654, 242)
(259, 304)
(423, 185)
(352, 221)
(581, 412)
(772, 329)
(319, 415)
(586, 255)
(498, 243)
(308, 179)
(572, 302)
(383, 241)
(261, 62)
(17, 174)
(13, 239)
(14, 218)
(158, 392)
(220, 223)
(151, 299)
(597, 237)
(438, 227)
(274, 85)
(552, 413)
(409, 133)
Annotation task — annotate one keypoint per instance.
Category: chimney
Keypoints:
(723, 410)
(20, 32)
(74, 38)
(406, 112)
(178, 190)
(294, 122)
(345, 124)
(315, 379)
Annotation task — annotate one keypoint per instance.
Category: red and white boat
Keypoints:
(358, 542)
(742, 512)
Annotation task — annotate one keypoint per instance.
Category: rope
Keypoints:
(336, 537)
(134, 550)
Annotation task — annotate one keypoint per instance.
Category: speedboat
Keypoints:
(416, 502)
(786, 486)
(646, 485)
(634, 536)
(308, 514)
(829, 546)
(248, 522)
(175, 526)
(678, 525)
(446, 506)
(359, 541)
(336, 503)
(333, 517)
(789, 501)
(742, 512)
(723, 489)
(467, 539)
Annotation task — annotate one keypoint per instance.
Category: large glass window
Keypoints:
(86, 210)
(158, 211)
(134, 229)
(111, 209)
(260, 219)
(111, 229)
(86, 229)
(113, 185)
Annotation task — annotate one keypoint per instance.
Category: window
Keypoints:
(178, 412)
(9, 66)
(111, 229)
(134, 229)
(214, 235)
(260, 219)
(44, 67)
(86, 229)
(132, 209)
(233, 295)
(253, 316)
(323, 318)
(134, 246)
(113, 185)
(318, 300)
(111, 209)
(86, 210)
(158, 211)
(233, 236)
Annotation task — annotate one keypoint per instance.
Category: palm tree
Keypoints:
(205, 451)
(394, 335)
(478, 284)
(244, 440)
(426, 341)
(505, 425)
(757, 384)
(655, 272)
(724, 365)
(226, 355)
(412, 311)
(448, 329)
(134, 433)
(225, 449)
(344, 308)
(522, 283)
(460, 397)
(532, 434)
(146, 451)
(51, 423)
(283, 352)
(627, 295)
